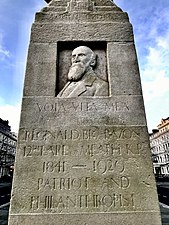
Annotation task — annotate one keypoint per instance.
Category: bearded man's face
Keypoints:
(81, 59)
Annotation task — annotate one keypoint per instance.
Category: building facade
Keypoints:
(159, 143)
(8, 142)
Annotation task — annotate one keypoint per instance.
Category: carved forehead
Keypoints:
(82, 49)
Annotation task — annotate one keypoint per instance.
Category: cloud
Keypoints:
(4, 53)
(12, 114)
(155, 80)
(22, 44)
(156, 110)
(14, 62)
(155, 72)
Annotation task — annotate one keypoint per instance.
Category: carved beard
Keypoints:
(76, 71)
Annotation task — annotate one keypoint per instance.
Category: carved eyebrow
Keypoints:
(81, 54)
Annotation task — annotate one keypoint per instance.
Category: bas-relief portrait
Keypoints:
(82, 79)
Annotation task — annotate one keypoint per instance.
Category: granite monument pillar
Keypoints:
(83, 154)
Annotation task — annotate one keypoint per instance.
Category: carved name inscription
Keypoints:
(93, 133)
(70, 142)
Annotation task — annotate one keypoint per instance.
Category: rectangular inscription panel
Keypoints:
(82, 169)
(54, 112)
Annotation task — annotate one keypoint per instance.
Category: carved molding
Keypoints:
(82, 5)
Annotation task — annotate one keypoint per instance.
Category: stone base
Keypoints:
(128, 218)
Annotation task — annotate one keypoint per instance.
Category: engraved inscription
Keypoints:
(108, 166)
(61, 107)
(67, 134)
(83, 202)
(79, 166)
(122, 182)
(48, 202)
(63, 183)
(93, 133)
(105, 149)
(83, 169)
(121, 134)
(83, 183)
(101, 166)
(52, 166)
(47, 150)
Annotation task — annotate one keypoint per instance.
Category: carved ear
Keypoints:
(93, 61)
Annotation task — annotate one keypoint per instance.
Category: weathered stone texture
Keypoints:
(83, 160)
(41, 70)
(149, 218)
(46, 32)
(123, 69)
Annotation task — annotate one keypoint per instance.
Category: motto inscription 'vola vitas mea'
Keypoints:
(88, 106)
(83, 155)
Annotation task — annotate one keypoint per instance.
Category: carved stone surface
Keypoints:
(82, 80)
(83, 158)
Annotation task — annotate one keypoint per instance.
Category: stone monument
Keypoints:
(83, 155)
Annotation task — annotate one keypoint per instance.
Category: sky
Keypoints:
(150, 20)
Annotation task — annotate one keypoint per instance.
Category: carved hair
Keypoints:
(93, 55)
(93, 59)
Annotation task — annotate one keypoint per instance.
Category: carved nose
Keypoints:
(76, 59)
